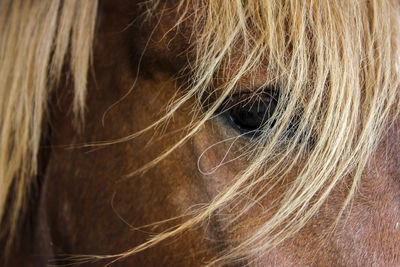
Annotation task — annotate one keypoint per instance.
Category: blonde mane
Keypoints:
(336, 61)
(35, 37)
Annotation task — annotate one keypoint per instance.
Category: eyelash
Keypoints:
(236, 108)
(249, 112)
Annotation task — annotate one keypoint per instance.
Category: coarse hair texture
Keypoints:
(335, 64)
(35, 37)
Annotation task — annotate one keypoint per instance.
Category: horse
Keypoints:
(199, 133)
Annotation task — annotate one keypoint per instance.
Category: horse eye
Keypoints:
(249, 116)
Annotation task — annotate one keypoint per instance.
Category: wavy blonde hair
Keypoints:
(334, 62)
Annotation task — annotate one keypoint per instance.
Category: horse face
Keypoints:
(90, 208)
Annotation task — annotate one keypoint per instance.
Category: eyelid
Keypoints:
(235, 106)
(246, 96)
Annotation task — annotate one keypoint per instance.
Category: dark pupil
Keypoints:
(252, 116)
